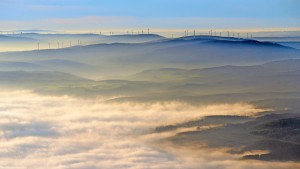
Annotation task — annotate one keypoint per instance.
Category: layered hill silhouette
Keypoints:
(194, 70)
(187, 52)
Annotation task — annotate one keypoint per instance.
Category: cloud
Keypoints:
(64, 132)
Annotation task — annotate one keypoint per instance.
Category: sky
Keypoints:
(156, 14)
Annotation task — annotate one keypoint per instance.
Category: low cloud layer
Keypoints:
(63, 132)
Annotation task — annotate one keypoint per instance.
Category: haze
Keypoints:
(157, 84)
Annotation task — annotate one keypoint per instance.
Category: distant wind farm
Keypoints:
(150, 84)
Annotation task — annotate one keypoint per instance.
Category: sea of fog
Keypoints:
(70, 133)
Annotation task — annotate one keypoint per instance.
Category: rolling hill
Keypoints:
(119, 59)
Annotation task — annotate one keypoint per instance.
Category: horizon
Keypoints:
(157, 84)
(161, 32)
(99, 37)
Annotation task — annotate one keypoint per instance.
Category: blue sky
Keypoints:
(222, 14)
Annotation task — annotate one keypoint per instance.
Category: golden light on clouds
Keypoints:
(65, 132)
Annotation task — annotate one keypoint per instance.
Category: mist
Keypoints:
(147, 101)
(142, 85)
(55, 132)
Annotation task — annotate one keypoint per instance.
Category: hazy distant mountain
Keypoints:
(269, 69)
(17, 43)
(120, 59)
(292, 41)
(87, 39)
(62, 63)
(116, 61)
(66, 37)
(68, 66)
(29, 40)
(49, 65)
(278, 79)
(226, 84)
(15, 38)
(279, 39)
(29, 79)
(220, 52)
(16, 66)
(139, 38)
